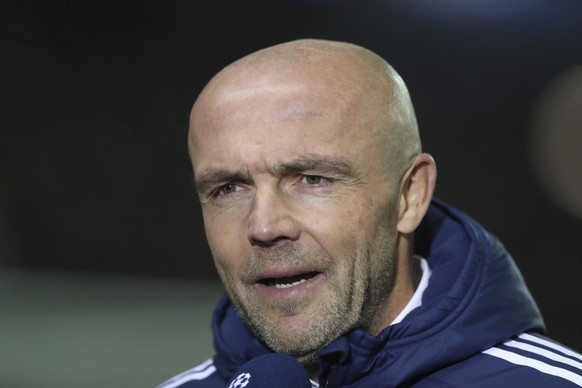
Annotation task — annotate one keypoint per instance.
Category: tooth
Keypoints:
(287, 285)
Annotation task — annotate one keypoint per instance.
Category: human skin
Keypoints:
(309, 195)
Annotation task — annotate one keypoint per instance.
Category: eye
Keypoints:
(312, 179)
(226, 189)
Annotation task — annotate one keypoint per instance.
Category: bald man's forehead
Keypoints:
(274, 104)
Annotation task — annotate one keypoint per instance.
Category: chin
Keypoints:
(301, 341)
(307, 359)
(298, 352)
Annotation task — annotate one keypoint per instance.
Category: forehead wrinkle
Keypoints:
(267, 105)
(319, 163)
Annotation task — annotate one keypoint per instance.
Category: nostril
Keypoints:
(273, 232)
(265, 243)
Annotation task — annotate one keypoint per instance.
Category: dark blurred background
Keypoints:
(95, 97)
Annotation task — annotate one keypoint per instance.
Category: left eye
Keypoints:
(312, 179)
(229, 188)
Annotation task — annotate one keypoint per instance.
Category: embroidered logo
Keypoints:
(241, 381)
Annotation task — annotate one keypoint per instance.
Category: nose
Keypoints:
(271, 219)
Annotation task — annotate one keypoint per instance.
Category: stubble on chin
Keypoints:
(329, 314)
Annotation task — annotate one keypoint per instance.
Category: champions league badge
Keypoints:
(241, 381)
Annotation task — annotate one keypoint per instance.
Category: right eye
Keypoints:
(227, 189)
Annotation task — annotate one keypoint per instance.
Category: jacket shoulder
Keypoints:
(527, 360)
(204, 375)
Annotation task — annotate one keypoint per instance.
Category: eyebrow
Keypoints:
(209, 179)
(318, 163)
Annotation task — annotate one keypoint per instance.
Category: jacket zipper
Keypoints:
(328, 379)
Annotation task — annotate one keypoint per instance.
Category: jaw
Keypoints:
(297, 320)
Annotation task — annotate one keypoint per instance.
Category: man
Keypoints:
(317, 205)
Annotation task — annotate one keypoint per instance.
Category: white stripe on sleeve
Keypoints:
(550, 344)
(541, 366)
(200, 372)
(544, 352)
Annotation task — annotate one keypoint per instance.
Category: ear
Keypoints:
(416, 192)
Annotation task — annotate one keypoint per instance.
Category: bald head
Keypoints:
(307, 163)
(342, 77)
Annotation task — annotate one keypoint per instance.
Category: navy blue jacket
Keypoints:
(478, 326)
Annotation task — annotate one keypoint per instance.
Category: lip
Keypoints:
(283, 272)
(312, 278)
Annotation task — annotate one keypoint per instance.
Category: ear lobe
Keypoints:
(416, 193)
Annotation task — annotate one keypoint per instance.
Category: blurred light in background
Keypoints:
(556, 141)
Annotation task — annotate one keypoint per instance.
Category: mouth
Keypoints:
(288, 281)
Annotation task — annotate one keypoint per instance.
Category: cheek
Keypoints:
(353, 233)
(227, 241)
(355, 216)
(340, 229)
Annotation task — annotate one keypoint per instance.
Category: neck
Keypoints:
(407, 275)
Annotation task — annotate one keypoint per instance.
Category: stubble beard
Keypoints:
(333, 319)
(382, 268)
(351, 300)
